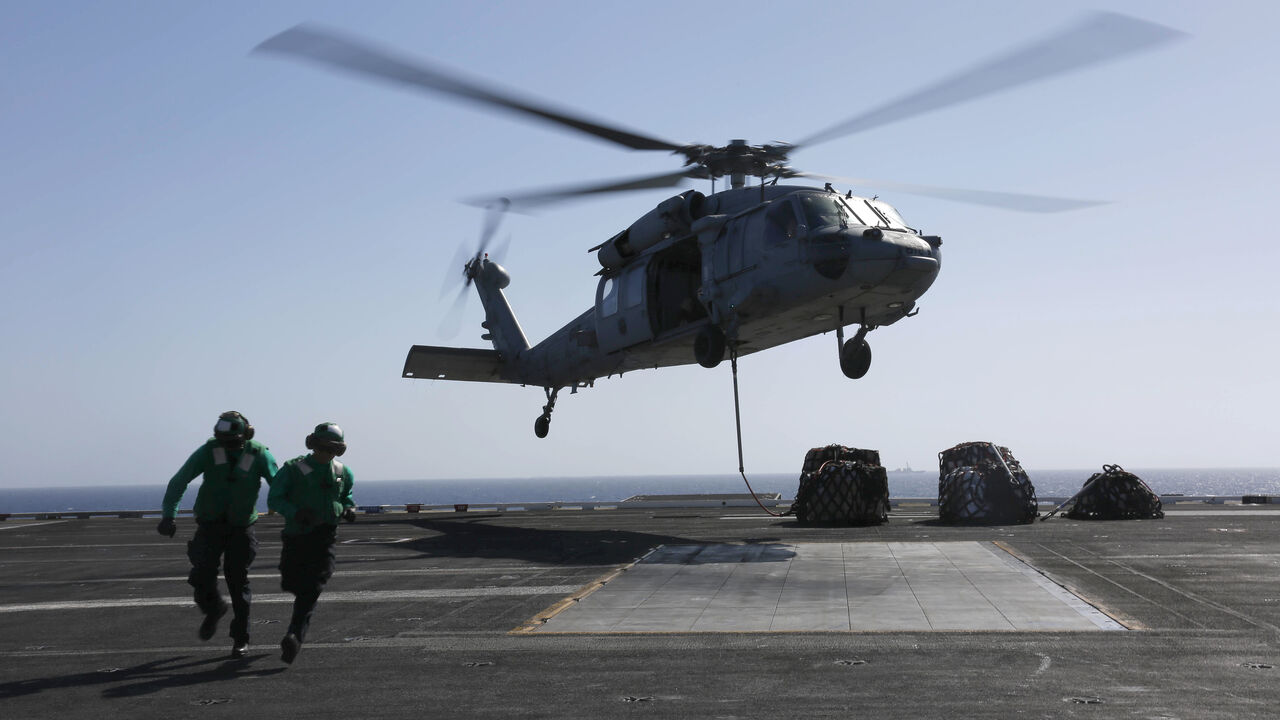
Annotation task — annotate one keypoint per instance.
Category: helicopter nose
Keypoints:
(918, 264)
(890, 259)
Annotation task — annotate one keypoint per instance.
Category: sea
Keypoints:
(1226, 482)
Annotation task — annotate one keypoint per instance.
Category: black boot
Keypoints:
(289, 647)
(209, 625)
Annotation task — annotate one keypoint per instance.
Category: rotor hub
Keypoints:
(739, 158)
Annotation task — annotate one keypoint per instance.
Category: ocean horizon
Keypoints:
(476, 491)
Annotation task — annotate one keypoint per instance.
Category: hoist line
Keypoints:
(737, 422)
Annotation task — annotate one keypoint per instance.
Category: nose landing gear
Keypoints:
(542, 425)
(855, 358)
(855, 355)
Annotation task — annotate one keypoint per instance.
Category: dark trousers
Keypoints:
(234, 548)
(307, 562)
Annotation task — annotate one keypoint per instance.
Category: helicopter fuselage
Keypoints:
(760, 266)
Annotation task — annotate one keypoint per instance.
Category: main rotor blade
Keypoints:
(329, 48)
(1100, 37)
(547, 197)
(500, 252)
(1008, 201)
(492, 218)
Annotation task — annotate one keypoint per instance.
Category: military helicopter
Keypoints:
(736, 271)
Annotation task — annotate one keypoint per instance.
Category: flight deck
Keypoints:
(665, 612)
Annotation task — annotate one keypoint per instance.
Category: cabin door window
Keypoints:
(608, 297)
(622, 318)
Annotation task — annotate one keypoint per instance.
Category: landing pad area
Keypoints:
(828, 587)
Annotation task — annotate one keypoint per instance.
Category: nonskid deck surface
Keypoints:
(714, 613)
(858, 586)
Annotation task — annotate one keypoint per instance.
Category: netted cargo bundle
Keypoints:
(981, 482)
(814, 459)
(1115, 494)
(842, 486)
(974, 453)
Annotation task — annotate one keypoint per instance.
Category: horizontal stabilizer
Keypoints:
(445, 363)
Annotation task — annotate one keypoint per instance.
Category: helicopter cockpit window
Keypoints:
(889, 213)
(782, 219)
(859, 218)
(824, 211)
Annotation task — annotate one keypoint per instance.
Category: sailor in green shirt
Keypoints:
(312, 492)
(234, 466)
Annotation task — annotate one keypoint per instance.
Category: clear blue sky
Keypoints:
(189, 228)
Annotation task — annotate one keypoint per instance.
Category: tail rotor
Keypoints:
(468, 262)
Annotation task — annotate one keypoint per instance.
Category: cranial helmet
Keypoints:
(232, 429)
(327, 436)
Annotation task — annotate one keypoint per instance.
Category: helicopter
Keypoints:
(747, 268)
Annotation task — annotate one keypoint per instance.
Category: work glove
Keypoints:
(349, 514)
(167, 527)
(304, 516)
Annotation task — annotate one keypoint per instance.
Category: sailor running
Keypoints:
(233, 465)
(312, 492)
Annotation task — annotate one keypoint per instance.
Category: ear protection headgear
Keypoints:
(327, 436)
(232, 428)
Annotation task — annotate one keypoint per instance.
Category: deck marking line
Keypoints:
(1045, 662)
(532, 624)
(1088, 610)
(268, 576)
(1132, 624)
(31, 525)
(280, 598)
(1188, 594)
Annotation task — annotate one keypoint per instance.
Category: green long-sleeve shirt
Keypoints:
(232, 478)
(305, 482)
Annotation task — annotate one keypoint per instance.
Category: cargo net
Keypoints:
(982, 483)
(842, 486)
(1115, 494)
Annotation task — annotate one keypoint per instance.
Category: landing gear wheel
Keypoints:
(708, 347)
(855, 358)
(542, 425)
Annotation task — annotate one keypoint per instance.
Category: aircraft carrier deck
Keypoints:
(654, 611)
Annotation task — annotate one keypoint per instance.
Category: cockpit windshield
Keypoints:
(824, 211)
(832, 210)
(888, 212)
(874, 213)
